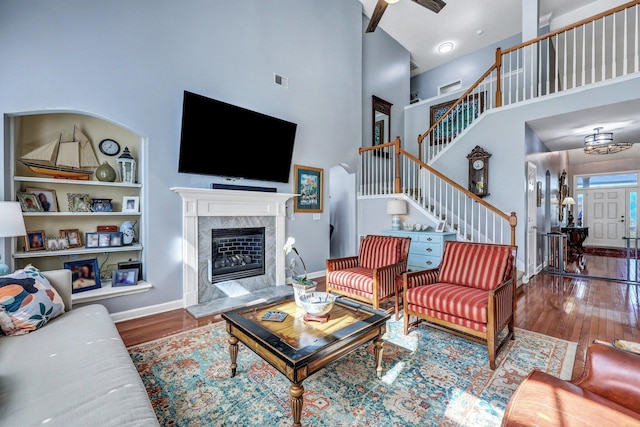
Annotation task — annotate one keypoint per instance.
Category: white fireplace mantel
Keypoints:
(199, 202)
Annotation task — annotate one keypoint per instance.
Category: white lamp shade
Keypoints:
(11, 220)
(568, 201)
(396, 207)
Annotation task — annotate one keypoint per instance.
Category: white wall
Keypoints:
(129, 62)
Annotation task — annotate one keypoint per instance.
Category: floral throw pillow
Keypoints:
(27, 301)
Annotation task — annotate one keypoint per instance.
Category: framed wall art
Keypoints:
(457, 121)
(46, 197)
(85, 274)
(309, 187)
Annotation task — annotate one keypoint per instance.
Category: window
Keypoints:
(597, 181)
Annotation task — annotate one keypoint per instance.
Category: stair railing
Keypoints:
(602, 47)
(388, 169)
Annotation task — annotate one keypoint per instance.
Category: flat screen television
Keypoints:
(225, 140)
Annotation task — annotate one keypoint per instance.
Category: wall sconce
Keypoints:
(12, 225)
(396, 208)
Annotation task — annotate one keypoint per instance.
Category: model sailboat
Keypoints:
(70, 155)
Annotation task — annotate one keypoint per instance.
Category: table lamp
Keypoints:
(568, 202)
(396, 208)
(11, 225)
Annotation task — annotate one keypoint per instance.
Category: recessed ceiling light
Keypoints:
(445, 47)
(392, 1)
(480, 31)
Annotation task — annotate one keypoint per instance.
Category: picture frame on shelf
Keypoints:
(79, 202)
(124, 265)
(29, 202)
(124, 277)
(35, 240)
(115, 239)
(308, 184)
(440, 226)
(73, 236)
(47, 198)
(57, 243)
(85, 274)
(131, 204)
(104, 240)
(91, 240)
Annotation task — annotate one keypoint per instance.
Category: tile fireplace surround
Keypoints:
(205, 209)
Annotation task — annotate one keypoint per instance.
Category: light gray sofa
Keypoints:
(74, 371)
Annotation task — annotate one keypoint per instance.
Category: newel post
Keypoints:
(513, 221)
(498, 73)
(398, 180)
(420, 140)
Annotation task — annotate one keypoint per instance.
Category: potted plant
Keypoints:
(300, 283)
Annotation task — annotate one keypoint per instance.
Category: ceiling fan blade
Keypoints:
(433, 5)
(381, 6)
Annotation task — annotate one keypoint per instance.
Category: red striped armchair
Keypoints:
(471, 294)
(369, 276)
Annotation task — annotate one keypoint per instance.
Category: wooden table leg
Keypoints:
(377, 351)
(295, 392)
(233, 352)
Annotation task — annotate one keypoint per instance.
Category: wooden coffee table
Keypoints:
(298, 348)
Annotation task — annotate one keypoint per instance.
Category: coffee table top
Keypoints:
(293, 340)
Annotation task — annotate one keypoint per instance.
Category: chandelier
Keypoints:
(602, 143)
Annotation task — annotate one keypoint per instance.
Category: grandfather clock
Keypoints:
(479, 171)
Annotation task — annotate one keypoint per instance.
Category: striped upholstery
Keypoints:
(376, 252)
(476, 265)
(455, 300)
(455, 320)
(357, 279)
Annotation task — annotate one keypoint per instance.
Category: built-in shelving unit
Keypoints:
(28, 132)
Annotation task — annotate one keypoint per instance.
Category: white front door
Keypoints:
(606, 217)
(532, 221)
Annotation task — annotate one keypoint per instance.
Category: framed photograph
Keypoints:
(57, 243)
(46, 197)
(35, 240)
(85, 274)
(79, 202)
(116, 239)
(308, 185)
(124, 265)
(104, 240)
(91, 240)
(440, 226)
(29, 202)
(130, 203)
(73, 236)
(457, 121)
(124, 277)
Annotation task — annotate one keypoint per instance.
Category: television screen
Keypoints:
(229, 141)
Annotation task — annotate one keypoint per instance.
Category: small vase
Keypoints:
(105, 173)
(301, 288)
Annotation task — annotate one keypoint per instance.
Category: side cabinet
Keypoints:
(426, 247)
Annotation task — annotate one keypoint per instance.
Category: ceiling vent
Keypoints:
(413, 66)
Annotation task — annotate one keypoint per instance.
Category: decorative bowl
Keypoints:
(317, 303)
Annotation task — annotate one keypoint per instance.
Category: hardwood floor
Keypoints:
(574, 309)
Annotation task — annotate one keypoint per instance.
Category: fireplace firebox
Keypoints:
(237, 253)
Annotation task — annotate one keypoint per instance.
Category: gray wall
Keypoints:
(129, 62)
(467, 68)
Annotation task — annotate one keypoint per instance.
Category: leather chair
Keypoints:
(370, 276)
(607, 394)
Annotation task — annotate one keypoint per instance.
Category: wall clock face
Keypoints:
(478, 164)
(109, 147)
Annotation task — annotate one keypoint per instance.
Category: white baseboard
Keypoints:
(146, 311)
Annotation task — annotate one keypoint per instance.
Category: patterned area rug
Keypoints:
(430, 378)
